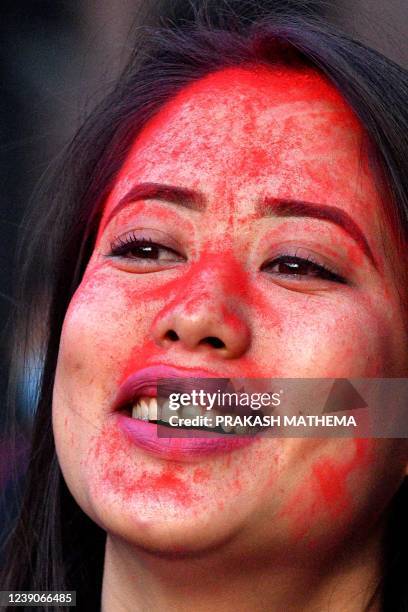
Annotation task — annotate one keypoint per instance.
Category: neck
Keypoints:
(138, 580)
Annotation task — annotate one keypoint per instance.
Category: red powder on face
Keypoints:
(164, 486)
(232, 164)
(236, 483)
(331, 487)
(326, 491)
(167, 483)
(331, 478)
(201, 475)
(118, 463)
(225, 157)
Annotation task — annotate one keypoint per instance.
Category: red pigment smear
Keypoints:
(332, 489)
(301, 508)
(109, 442)
(236, 483)
(110, 451)
(168, 483)
(153, 485)
(149, 353)
(201, 475)
(329, 482)
(331, 478)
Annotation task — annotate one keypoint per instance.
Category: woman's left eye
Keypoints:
(139, 249)
(300, 268)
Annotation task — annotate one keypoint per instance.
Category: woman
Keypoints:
(240, 199)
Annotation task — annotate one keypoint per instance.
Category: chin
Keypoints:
(172, 537)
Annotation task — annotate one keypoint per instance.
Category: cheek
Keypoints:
(98, 331)
(104, 321)
(106, 318)
(325, 336)
(346, 485)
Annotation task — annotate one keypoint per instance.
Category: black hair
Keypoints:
(54, 545)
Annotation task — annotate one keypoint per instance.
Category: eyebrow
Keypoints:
(298, 208)
(180, 196)
(278, 207)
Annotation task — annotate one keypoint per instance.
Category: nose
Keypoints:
(204, 320)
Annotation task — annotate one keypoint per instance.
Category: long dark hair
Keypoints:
(54, 545)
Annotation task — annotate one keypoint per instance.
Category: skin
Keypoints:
(304, 514)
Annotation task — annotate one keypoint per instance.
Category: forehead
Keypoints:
(278, 129)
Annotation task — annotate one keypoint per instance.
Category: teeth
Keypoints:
(136, 412)
(145, 409)
(212, 414)
(165, 412)
(190, 411)
(152, 409)
(241, 429)
(227, 428)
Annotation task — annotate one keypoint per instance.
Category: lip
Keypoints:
(144, 382)
(145, 435)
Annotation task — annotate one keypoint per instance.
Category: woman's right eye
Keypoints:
(144, 251)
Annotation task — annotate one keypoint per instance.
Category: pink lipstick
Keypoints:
(154, 438)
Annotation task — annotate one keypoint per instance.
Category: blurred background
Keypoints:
(57, 59)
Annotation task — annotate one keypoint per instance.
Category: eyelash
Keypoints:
(121, 247)
(325, 272)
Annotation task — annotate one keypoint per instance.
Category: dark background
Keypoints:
(57, 58)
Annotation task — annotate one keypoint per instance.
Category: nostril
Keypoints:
(171, 335)
(213, 341)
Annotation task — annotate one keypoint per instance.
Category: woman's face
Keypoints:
(212, 180)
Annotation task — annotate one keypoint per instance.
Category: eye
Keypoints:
(143, 251)
(300, 268)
